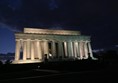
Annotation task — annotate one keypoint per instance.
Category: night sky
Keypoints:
(96, 18)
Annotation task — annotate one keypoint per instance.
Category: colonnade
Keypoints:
(37, 49)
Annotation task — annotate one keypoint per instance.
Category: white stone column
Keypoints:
(17, 50)
(90, 51)
(59, 51)
(39, 50)
(24, 49)
(70, 49)
(85, 50)
(32, 50)
(21, 43)
(78, 52)
(76, 49)
(46, 48)
(35, 49)
(81, 49)
(65, 49)
(42, 48)
(60, 48)
(75, 54)
(28, 48)
(53, 48)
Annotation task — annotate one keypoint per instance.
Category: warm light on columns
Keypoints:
(53, 48)
(70, 49)
(76, 49)
(65, 49)
(46, 48)
(85, 50)
(35, 49)
(81, 49)
(17, 51)
(28, 48)
(32, 50)
(39, 50)
(24, 50)
(60, 48)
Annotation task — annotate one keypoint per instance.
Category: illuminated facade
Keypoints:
(38, 45)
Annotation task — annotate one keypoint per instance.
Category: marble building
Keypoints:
(37, 45)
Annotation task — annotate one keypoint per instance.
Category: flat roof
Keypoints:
(51, 32)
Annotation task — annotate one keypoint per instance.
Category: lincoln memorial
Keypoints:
(39, 45)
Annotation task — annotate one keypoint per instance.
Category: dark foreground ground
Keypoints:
(59, 72)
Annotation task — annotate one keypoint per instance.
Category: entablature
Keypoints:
(51, 37)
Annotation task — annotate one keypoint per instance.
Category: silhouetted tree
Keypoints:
(7, 62)
(1, 63)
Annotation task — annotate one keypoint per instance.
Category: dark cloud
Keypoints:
(66, 12)
(53, 5)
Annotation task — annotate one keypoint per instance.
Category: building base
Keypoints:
(25, 61)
